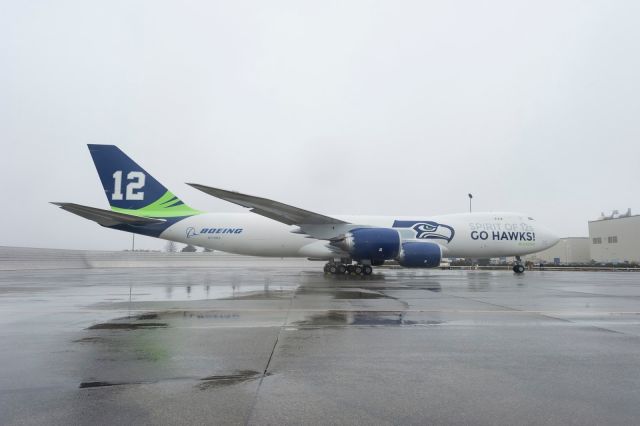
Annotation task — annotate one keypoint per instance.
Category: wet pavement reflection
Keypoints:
(286, 344)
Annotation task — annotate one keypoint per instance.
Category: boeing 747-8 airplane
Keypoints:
(349, 244)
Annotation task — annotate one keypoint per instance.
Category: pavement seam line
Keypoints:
(549, 316)
(266, 368)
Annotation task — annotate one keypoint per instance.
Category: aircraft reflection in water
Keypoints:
(318, 289)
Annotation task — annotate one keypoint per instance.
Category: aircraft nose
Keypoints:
(549, 238)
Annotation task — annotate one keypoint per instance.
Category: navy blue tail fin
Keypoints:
(130, 189)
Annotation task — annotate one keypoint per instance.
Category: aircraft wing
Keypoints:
(272, 209)
(315, 225)
(106, 217)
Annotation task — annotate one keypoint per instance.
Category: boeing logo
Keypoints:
(191, 231)
(427, 230)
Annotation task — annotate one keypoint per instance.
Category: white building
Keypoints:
(567, 250)
(615, 239)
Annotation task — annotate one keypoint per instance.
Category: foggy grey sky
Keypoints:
(355, 107)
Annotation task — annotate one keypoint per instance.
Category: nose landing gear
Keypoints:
(518, 267)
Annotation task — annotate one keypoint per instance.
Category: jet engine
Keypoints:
(375, 244)
(419, 255)
(380, 244)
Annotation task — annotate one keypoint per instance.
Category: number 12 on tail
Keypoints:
(136, 181)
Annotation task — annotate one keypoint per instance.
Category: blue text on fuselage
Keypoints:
(221, 231)
(504, 235)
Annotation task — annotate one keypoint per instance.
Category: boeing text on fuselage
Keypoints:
(191, 231)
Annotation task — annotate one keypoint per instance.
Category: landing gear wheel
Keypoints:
(342, 269)
(518, 268)
(367, 270)
(333, 269)
(358, 270)
(326, 268)
(349, 269)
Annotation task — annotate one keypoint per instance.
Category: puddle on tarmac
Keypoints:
(341, 293)
(92, 339)
(85, 385)
(261, 295)
(217, 381)
(176, 293)
(436, 288)
(134, 322)
(156, 320)
(364, 318)
(127, 325)
(209, 382)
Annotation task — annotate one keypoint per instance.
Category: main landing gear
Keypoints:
(518, 267)
(347, 269)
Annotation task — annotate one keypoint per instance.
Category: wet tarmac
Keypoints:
(281, 343)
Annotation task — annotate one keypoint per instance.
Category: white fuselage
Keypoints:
(476, 235)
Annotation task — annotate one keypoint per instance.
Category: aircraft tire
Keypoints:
(342, 269)
(367, 270)
(518, 269)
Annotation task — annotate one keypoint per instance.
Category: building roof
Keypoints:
(614, 218)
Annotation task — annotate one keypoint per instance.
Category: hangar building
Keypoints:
(615, 238)
(568, 250)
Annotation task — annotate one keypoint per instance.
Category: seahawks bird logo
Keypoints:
(427, 229)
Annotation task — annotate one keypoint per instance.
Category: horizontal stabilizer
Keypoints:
(106, 217)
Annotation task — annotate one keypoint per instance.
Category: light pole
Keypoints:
(470, 197)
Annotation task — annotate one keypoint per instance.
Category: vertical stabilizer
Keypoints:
(131, 190)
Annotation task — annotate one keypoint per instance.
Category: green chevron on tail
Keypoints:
(166, 206)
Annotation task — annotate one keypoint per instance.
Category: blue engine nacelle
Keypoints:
(375, 244)
(420, 255)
